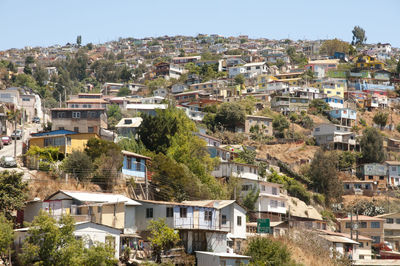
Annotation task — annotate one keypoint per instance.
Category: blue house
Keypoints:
(135, 166)
(346, 116)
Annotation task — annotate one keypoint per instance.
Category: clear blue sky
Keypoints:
(47, 22)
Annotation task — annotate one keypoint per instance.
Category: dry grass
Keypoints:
(44, 185)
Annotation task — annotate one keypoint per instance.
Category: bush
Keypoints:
(363, 122)
(297, 190)
(398, 128)
(266, 251)
(319, 198)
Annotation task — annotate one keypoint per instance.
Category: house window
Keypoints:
(282, 204)
(246, 187)
(183, 212)
(274, 191)
(397, 221)
(76, 129)
(389, 220)
(61, 115)
(274, 203)
(110, 241)
(76, 114)
(149, 212)
(170, 212)
(348, 224)
(376, 239)
(223, 219)
(363, 225)
(239, 220)
(361, 245)
(381, 177)
(129, 163)
(262, 188)
(99, 210)
(208, 215)
(375, 224)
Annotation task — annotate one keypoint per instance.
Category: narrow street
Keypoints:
(8, 150)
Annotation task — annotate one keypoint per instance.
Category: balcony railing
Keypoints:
(201, 224)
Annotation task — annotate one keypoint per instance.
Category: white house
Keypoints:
(227, 259)
(203, 225)
(393, 173)
(90, 233)
(161, 92)
(228, 169)
(249, 70)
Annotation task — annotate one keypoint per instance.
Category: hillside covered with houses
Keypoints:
(202, 149)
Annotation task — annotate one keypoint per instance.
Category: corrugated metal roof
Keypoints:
(134, 154)
(339, 239)
(96, 197)
(52, 133)
(135, 122)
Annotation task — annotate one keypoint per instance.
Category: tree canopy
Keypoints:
(162, 237)
(371, 143)
(324, 175)
(52, 243)
(13, 192)
(359, 37)
(230, 115)
(266, 251)
(329, 47)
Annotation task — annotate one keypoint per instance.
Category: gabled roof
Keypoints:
(217, 204)
(128, 153)
(85, 196)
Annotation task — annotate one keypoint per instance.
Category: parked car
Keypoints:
(36, 120)
(8, 161)
(17, 134)
(6, 140)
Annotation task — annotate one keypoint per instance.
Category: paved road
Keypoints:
(8, 150)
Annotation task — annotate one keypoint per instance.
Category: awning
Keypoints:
(130, 235)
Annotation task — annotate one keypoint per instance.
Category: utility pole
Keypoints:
(15, 137)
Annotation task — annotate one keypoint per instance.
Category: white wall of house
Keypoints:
(92, 233)
(130, 226)
(270, 204)
(238, 231)
(237, 170)
(216, 241)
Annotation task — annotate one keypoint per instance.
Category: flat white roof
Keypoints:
(225, 255)
(145, 106)
(97, 197)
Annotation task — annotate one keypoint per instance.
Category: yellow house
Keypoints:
(263, 80)
(332, 88)
(66, 140)
(368, 62)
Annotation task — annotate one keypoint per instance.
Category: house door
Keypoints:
(199, 241)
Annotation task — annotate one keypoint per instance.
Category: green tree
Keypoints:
(41, 75)
(280, 123)
(381, 119)
(175, 181)
(99, 254)
(239, 79)
(52, 243)
(6, 238)
(266, 251)
(156, 84)
(371, 144)
(114, 115)
(323, 173)
(124, 91)
(29, 60)
(28, 70)
(230, 115)
(96, 147)
(359, 37)
(79, 40)
(398, 67)
(125, 75)
(329, 47)
(13, 192)
(79, 164)
(247, 155)
(318, 106)
(162, 237)
(250, 199)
